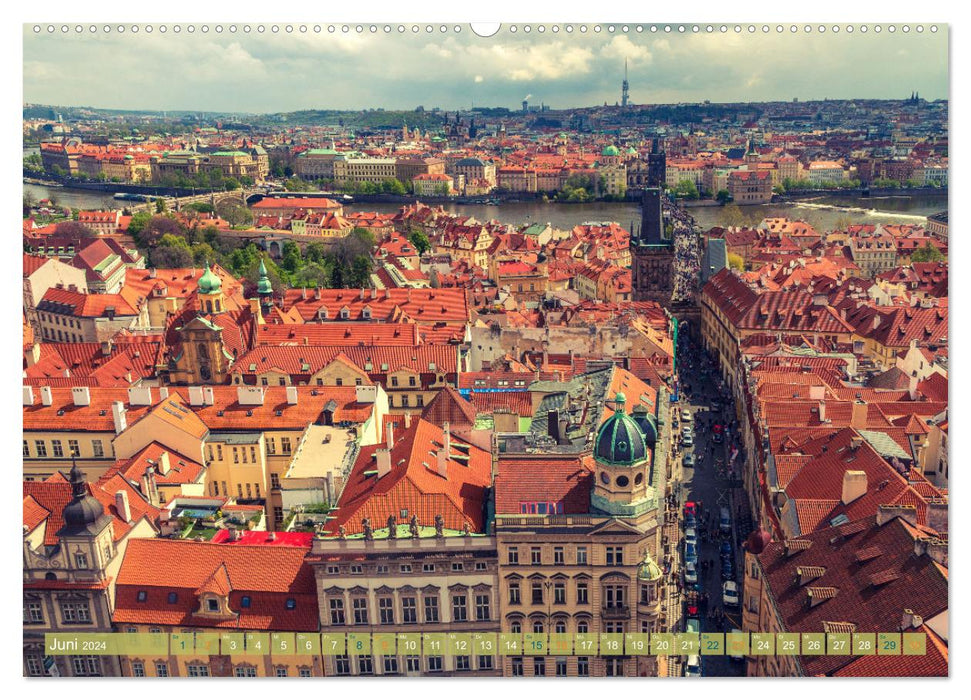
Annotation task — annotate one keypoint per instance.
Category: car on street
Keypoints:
(685, 414)
(686, 430)
(689, 460)
(728, 570)
(725, 549)
(690, 508)
(690, 573)
(692, 669)
(717, 438)
(688, 440)
(730, 594)
(691, 536)
(690, 553)
(690, 521)
(724, 520)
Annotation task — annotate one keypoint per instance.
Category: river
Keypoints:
(822, 212)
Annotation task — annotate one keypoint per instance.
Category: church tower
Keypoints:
(625, 88)
(652, 253)
(622, 453)
(211, 300)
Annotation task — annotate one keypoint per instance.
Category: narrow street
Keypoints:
(708, 483)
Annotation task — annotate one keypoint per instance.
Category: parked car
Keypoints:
(717, 438)
(686, 430)
(691, 536)
(725, 549)
(690, 553)
(690, 573)
(692, 669)
(728, 570)
(690, 508)
(690, 521)
(689, 460)
(689, 441)
(685, 414)
(730, 594)
(724, 520)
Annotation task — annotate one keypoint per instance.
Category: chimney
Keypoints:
(886, 513)
(447, 439)
(249, 395)
(442, 465)
(152, 272)
(407, 420)
(118, 413)
(121, 505)
(854, 486)
(937, 514)
(822, 411)
(82, 395)
(317, 293)
(46, 397)
(389, 434)
(208, 397)
(910, 620)
(28, 396)
(858, 418)
(383, 456)
(67, 373)
(107, 347)
(163, 392)
(271, 536)
(195, 396)
(292, 395)
(912, 387)
(164, 465)
(139, 396)
(366, 394)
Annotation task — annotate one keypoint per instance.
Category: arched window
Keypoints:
(516, 627)
(538, 626)
(583, 626)
(560, 627)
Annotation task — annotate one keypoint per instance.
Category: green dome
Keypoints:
(647, 423)
(620, 441)
(610, 151)
(209, 283)
(632, 151)
(648, 570)
(264, 286)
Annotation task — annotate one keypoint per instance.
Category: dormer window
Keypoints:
(322, 313)
(212, 605)
(345, 313)
(366, 313)
(173, 598)
(291, 603)
(141, 596)
(245, 601)
(81, 560)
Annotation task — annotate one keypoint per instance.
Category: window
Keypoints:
(559, 593)
(615, 555)
(75, 612)
(458, 566)
(219, 456)
(431, 608)
(281, 671)
(34, 665)
(463, 663)
(538, 627)
(614, 596)
(561, 668)
(278, 515)
(405, 568)
(583, 666)
(583, 626)
(482, 611)
(435, 664)
(305, 672)
(460, 611)
(271, 448)
(537, 593)
(516, 627)
(252, 454)
(360, 611)
(141, 596)
(560, 627)
(481, 566)
(557, 555)
(291, 603)
(409, 610)
(56, 446)
(212, 605)
(33, 613)
(386, 610)
(174, 598)
(394, 381)
(365, 665)
(413, 664)
(514, 598)
(236, 455)
(581, 555)
(26, 449)
(539, 666)
(336, 611)
(485, 662)
(87, 666)
(535, 556)
(357, 569)
(427, 568)
(513, 555)
(391, 665)
(285, 445)
(40, 448)
(245, 601)
(161, 669)
(381, 568)
(615, 667)
(73, 448)
(342, 664)
(244, 672)
(517, 666)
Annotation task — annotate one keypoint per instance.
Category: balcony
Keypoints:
(615, 612)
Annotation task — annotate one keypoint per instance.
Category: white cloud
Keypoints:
(479, 78)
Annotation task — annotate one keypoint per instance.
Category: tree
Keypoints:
(315, 252)
(231, 183)
(73, 229)
(361, 271)
(158, 226)
(203, 253)
(171, 256)
(420, 240)
(927, 253)
(292, 258)
(312, 275)
(686, 189)
(736, 262)
(723, 196)
(237, 215)
(843, 222)
(731, 215)
(160, 206)
(137, 223)
(201, 207)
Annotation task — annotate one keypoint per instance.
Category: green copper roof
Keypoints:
(610, 151)
(209, 283)
(264, 286)
(648, 570)
(620, 441)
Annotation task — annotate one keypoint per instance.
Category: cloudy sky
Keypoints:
(284, 72)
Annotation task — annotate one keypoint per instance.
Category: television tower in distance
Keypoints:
(625, 88)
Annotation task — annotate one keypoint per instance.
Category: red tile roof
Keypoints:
(549, 478)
